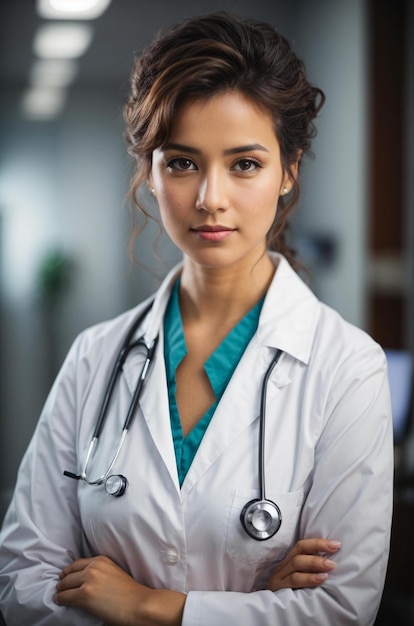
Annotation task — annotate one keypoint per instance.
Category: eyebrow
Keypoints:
(237, 150)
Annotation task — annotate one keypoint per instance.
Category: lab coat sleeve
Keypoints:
(41, 532)
(350, 500)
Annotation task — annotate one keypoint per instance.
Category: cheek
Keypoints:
(270, 190)
(261, 204)
(173, 209)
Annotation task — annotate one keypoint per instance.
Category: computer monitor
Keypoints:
(401, 378)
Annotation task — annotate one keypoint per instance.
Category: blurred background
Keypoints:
(65, 223)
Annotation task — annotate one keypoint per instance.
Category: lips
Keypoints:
(213, 233)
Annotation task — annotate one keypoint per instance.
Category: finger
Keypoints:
(315, 568)
(307, 564)
(316, 545)
(298, 580)
(81, 569)
(75, 566)
(309, 546)
(76, 575)
(74, 580)
(67, 598)
(302, 564)
(99, 561)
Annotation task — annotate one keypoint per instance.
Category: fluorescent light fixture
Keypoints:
(62, 41)
(53, 72)
(71, 9)
(43, 102)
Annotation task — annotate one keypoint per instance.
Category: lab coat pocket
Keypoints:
(243, 548)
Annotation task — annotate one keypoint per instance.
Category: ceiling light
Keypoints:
(71, 9)
(43, 102)
(53, 72)
(62, 41)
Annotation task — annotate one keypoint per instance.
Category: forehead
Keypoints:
(224, 114)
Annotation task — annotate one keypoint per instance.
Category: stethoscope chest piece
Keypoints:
(115, 485)
(261, 519)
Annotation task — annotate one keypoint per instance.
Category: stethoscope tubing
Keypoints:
(262, 421)
(116, 484)
(126, 348)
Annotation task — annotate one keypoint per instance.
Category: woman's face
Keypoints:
(218, 180)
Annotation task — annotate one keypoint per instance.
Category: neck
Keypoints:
(222, 295)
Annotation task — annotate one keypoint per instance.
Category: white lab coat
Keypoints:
(328, 467)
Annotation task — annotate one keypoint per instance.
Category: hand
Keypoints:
(103, 589)
(306, 565)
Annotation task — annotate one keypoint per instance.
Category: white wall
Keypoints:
(331, 37)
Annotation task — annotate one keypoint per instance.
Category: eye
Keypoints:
(246, 165)
(182, 164)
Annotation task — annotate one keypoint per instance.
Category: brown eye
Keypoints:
(181, 163)
(246, 165)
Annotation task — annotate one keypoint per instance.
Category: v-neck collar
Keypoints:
(219, 368)
(222, 362)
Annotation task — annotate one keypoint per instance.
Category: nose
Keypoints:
(212, 193)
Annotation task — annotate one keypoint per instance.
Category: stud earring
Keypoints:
(285, 191)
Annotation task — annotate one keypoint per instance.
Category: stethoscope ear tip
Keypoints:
(72, 475)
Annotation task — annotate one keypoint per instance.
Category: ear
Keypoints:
(150, 185)
(290, 177)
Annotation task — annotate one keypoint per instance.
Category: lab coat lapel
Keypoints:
(155, 408)
(153, 404)
(237, 409)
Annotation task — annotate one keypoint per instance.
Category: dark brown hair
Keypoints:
(207, 55)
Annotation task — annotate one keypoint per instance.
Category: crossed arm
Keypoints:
(103, 589)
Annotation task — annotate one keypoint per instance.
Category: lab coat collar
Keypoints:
(288, 319)
(290, 313)
(153, 323)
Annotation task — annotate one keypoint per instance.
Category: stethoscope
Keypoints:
(261, 518)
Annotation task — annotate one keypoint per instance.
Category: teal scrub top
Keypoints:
(219, 368)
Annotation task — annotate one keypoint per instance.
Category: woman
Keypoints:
(219, 117)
